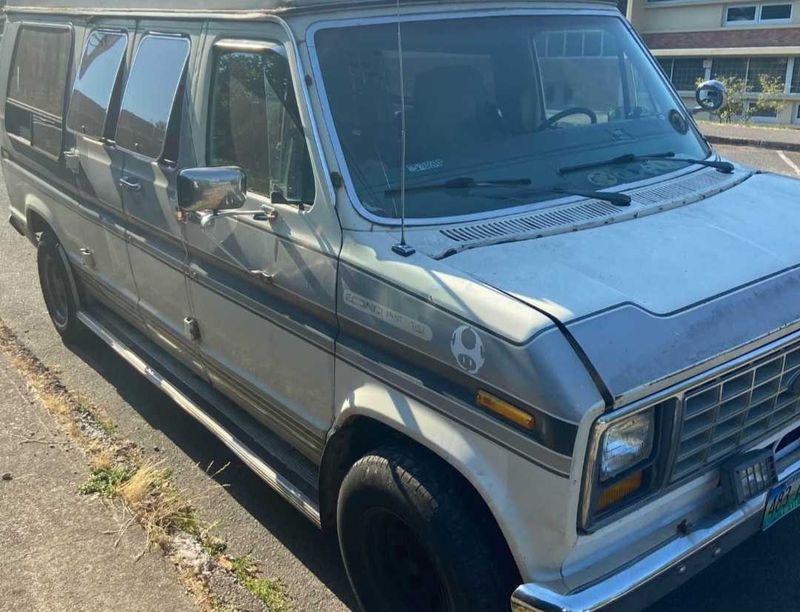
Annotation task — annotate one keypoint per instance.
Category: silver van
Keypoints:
(462, 281)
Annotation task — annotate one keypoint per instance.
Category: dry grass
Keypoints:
(145, 489)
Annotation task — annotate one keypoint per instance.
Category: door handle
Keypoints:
(72, 160)
(130, 185)
(267, 213)
(263, 276)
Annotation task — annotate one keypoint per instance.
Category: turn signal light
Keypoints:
(620, 490)
(505, 410)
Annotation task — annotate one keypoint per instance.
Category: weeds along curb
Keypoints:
(148, 494)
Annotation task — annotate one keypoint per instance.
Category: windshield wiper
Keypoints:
(630, 158)
(618, 199)
(462, 182)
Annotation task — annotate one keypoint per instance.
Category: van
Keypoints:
(462, 281)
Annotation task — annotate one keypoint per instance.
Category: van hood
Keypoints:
(652, 299)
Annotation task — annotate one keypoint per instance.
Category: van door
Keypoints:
(263, 282)
(97, 163)
(148, 131)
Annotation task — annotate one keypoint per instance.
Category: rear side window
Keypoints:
(37, 86)
(40, 69)
(255, 123)
(153, 85)
(95, 83)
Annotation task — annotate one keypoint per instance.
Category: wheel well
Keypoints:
(36, 224)
(360, 435)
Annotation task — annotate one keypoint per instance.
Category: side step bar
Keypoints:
(272, 477)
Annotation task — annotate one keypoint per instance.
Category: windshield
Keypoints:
(496, 99)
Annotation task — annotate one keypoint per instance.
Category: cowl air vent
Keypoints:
(583, 215)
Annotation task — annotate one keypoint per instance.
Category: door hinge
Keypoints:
(191, 328)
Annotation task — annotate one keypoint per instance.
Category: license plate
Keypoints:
(782, 499)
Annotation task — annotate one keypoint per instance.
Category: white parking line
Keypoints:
(789, 162)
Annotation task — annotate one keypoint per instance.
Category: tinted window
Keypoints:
(150, 94)
(255, 124)
(39, 73)
(741, 13)
(776, 11)
(95, 82)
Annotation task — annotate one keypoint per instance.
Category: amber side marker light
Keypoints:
(620, 490)
(505, 410)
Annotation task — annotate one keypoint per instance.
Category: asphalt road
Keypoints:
(782, 162)
(760, 575)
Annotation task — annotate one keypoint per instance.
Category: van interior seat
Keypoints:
(452, 110)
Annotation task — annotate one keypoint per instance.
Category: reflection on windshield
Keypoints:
(496, 98)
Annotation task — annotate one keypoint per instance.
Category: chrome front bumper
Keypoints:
(654, 575)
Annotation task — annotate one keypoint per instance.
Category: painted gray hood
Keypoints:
(653, 297)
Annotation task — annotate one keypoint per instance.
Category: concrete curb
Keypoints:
(753, 142)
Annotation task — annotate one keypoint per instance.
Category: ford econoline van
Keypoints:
(462, 281)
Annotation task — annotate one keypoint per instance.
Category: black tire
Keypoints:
(58, 297)
(414, 537)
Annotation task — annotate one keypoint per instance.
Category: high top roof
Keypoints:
(225, 6)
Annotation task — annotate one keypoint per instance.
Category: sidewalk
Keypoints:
(785, 139)
(58, 547)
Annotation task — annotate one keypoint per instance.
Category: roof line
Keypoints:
(270, 7)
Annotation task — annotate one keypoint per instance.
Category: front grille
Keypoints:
(735, 410)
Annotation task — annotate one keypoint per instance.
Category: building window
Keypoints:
(577, 44)
(795, 86)
(37, 87)
(684, 72)
(762, 113)
(153, 86)
(760, 68)
(758, 13)
(751, 71)
(776, 12)
(739, 14)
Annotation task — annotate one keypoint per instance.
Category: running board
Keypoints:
(266, 472)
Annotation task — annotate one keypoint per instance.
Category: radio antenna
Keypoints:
(402, 248)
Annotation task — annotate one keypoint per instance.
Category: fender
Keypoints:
(39, 218)
(503, 480)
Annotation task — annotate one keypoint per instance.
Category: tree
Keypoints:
(744, 100)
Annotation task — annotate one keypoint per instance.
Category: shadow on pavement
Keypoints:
(314, 549)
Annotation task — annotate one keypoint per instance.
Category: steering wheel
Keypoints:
(567, 112)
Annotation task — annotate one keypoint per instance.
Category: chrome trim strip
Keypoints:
(236, 15)
(432, 15)
(285, 488)
(539, 598)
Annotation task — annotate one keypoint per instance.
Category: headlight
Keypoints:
(626, 443)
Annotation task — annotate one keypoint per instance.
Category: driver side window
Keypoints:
(255, 123)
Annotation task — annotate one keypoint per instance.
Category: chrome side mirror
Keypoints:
(211, 189)
(711, 96)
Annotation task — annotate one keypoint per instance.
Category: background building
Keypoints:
(696, 39)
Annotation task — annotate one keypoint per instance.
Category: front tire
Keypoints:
(414, 538)
(56, 288)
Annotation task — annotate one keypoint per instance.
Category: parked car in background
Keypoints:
(462, 281)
